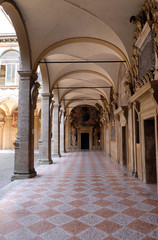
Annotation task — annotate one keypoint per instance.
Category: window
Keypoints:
(11, 74)
(9, 66)
(2, 74)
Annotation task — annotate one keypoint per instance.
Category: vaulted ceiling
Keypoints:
(63, 31)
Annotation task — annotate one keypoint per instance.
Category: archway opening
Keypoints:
(84, 128)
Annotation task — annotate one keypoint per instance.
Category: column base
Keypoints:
(56, 155)
(18, 176)
(117, 160)
(134, 174)
(45, 161)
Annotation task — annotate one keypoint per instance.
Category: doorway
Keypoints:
(84, 140)
(150, 151)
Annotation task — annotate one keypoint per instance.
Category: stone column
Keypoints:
(7, 133)
(36, 132)
(56, 131)
(1, 134)
(45, 140)
(117, 137)
(67, 133)
(24, 145)
(62, 132)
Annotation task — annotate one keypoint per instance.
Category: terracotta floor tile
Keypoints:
(34, 196)
(110, 238)
(151, 202)
(4, 204)
(100, 195)
(149, 238)
(102, 203)
(123, 195)
(61, 189)
(47, 213)
(133, 212)
(155, 210)
(76, 213)
(127, 202)
(41, 227)
(141, 226)
(75, 227)
(108, 226)
(106, 213)
(40, 190)
(19, 213)
(80, 185)
(56, 196)
(78, 195)
(74, 238)
(99, 189)
(77, 203)
(53, 203)
(118, 189)
(79, 189)
(10, 227)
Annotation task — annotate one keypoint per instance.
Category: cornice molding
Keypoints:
(145, 32)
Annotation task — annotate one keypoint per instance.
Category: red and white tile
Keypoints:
(83, 196)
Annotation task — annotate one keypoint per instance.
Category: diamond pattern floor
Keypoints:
(82, 196)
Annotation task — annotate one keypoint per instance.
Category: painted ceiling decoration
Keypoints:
(85, 115)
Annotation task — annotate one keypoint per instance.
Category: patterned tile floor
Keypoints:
(82, 196)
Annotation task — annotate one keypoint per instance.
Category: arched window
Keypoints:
(9, 65)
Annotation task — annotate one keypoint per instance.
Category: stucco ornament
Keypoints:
(2, 116)
(34, 94)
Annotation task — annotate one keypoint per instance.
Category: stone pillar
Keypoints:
(45, 140)
(117, 137)
(24, 145)
(109, 132)
(36, 132)
(130, 138)
(62, 132)
(1, 134)
(56, 131)
(67, 132)
(7, 133)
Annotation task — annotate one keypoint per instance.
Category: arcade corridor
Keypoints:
(83, 195)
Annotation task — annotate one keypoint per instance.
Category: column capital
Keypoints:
(8, 117)
(1, 124)
(56, 105)
(28, 74)
(62, 110)
(47, 95)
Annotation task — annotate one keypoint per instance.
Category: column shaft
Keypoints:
(24, 145)
(56, 132)
(62, 133)
(45, 140)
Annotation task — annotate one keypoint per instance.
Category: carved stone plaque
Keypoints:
(146, 56)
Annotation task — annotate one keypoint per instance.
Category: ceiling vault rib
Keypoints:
(86, 61)
(83, 99)
(80, 87)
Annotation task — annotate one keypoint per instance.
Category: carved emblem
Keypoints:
(34, 94)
